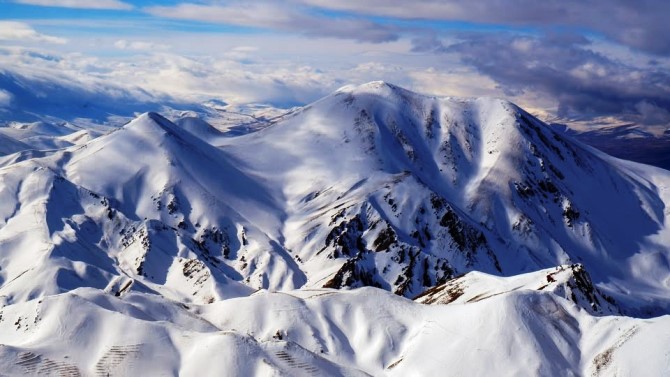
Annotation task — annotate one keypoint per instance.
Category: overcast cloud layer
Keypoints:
(640, 24)
(576, 60)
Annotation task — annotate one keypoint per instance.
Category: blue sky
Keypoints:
(593, 61)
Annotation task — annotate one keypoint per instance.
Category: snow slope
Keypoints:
(446, 186)
(175, 241)
(569, 282)
(9, 145)
(325, 332)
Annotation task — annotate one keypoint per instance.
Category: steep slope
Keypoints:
(389, 188)
(148, 207)
(199, 128)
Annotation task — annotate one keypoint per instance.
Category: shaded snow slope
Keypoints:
(9, 145)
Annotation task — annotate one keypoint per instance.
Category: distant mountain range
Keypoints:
(627, 141)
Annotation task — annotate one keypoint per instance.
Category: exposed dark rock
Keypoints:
(346, 238)
(385, 239)
(571, 215)
(351, 275)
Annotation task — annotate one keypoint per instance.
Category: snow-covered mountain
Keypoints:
(158, 245)
(388, 188)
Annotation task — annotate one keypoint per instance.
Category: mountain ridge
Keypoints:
(486, 232)
(502, 187)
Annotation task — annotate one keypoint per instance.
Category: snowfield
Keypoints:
(374, 232)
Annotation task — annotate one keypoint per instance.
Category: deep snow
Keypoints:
(187, 249)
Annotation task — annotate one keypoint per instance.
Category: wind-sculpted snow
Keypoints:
(179, 244)
(323, 332)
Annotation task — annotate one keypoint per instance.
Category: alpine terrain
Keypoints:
(376, 231)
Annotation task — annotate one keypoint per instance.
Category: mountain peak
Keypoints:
(375, 87)
(353, 87)
(155, 116)
(151, 121)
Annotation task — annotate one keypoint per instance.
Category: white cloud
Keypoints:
(81, 4)
(267, 78)
(274, 16)
(310, 51)
(277, 69)
(461, 82)
(5, 98)
(240, 52)
(123, 44)
(243, 69)
(282, 70)
(20, 31)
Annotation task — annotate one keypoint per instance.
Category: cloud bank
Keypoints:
(22, 32)
(639, 24)
(570, 59)
(584, 82)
